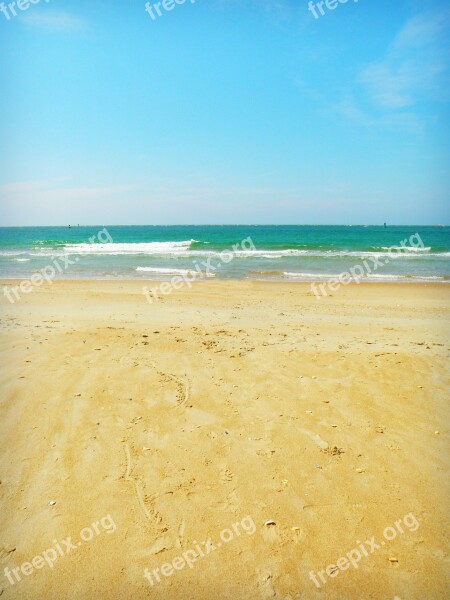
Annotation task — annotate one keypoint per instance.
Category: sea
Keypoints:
(253, 252)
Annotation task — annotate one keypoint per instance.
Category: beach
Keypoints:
(308, 429)
(224, 300)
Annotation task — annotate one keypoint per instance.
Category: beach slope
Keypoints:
(237, 440)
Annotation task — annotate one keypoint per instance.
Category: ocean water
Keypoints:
(280, 253)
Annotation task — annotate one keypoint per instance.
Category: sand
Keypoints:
(156, 436)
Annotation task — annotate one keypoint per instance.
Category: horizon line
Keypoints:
(234, 225)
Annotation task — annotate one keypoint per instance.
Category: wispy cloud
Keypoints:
(352, 111)
(402, 88)
(415, 67)
(53, 21)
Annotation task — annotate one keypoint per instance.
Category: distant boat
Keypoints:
(385, 225)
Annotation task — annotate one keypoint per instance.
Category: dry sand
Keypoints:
(230, 400)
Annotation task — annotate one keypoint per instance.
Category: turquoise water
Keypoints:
(288, 253)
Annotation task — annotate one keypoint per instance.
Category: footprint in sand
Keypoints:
(183, 385)
(137, 489)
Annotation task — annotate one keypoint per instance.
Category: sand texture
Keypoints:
(323, 422)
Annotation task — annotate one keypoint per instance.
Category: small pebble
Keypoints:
(269, 523)
(52, 503)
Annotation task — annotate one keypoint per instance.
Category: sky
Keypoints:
(224, 112)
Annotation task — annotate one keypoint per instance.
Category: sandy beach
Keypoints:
(234, 439)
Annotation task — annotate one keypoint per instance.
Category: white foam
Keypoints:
(183, 250)
(407, 248)
(169, 271)
(310, 275)
(408, 277)
(364, 277)
(125, 248)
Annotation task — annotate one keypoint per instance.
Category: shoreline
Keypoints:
(225, 281)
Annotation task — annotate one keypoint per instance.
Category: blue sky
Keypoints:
(224, 111)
